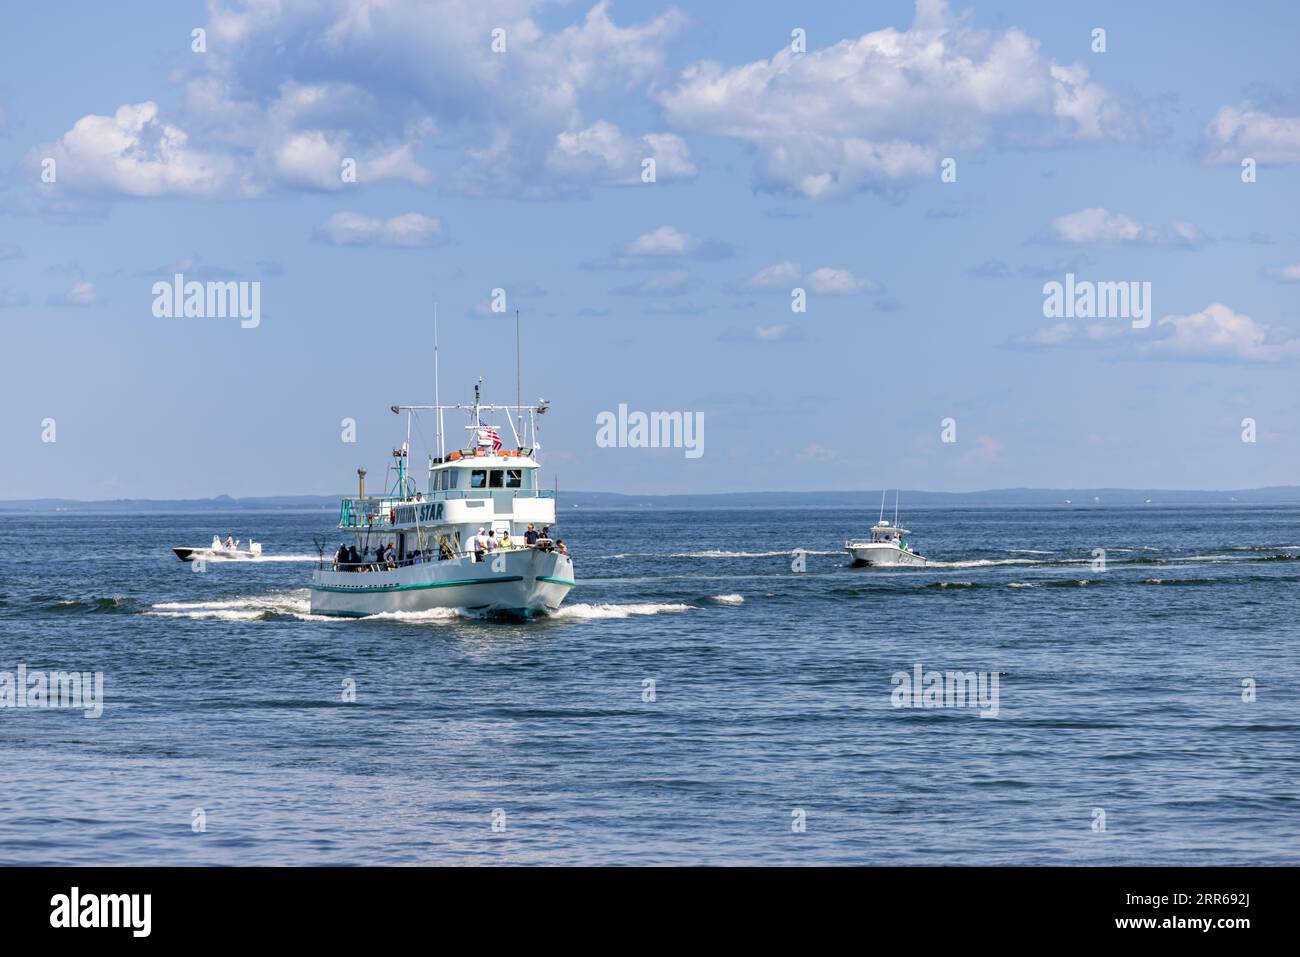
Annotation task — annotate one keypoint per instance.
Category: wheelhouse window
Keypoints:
(514, 478)
(453, 477)
(496, 479)
(478, 478)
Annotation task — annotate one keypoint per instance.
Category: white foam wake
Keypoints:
(983, 562)
(587, 612)
(242, 608)
(256, 560)
(721, 553)
(427, 614)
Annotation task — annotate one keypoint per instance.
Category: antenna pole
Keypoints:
(882, 507)
(436, 400)
(519, 392)
(895, 507)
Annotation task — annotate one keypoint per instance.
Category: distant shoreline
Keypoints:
(615, 501)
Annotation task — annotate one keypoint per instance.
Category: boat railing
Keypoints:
(361, 512)
(379, 566)
(497, 493)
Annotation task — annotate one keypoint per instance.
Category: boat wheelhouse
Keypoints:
(415, 549)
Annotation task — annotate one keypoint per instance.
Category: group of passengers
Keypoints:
(384, 557)
(348, 559)
(482, 544)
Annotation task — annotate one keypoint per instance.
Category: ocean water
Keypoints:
(772, 736)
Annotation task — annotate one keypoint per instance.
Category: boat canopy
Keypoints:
(892, 531)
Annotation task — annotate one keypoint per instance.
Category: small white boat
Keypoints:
(220, 551)
(888, 545)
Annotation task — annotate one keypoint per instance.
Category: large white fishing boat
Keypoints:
(416, 550)
(888, 545)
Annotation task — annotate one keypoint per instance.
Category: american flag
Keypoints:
(488, 432)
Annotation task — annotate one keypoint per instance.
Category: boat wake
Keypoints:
(296, 604)
(721, 553)
(248, 608)
(989, 562)
(594, 612)
(216, 558)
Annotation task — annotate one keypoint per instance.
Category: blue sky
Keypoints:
(775, 170)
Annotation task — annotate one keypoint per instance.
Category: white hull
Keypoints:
(215, 554)
(523, 581)
(883, 554)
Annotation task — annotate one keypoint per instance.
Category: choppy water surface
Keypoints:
(1120, 689)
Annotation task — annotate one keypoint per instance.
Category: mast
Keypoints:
(436, 401)
(519, 392)
(406, 452)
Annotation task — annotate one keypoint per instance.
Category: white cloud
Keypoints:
(1216, 332)
(1096, 225)
(776, 333)
(314, 160)
(839, 282)
(782, 275)
(675, 283)
(1281, 273)
(355, 229)
(377, 78)
(664, 241)
(1238, 132)
(80, 293)
(886, 106)
(602, 154)
(1062, 333)
(286, 91)
(826, 280)
(665, 247)
(1100, 227)
(1056, 335)
(134, 153)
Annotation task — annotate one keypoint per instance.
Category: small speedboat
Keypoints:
(219, 551)
(888, 545)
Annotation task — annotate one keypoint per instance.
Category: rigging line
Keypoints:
(419, 429)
